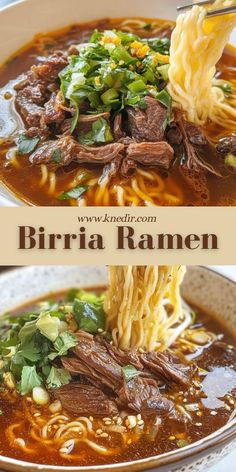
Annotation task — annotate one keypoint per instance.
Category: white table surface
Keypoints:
(228, 271)
(229, 463)
(226, 465)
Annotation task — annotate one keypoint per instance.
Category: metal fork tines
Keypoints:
(190, 5)
(220, 11)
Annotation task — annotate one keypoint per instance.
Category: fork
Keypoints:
(220, 11)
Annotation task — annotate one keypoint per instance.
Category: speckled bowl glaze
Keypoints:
(202, 287)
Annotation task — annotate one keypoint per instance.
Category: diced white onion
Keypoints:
(40, 396)
(55, 407)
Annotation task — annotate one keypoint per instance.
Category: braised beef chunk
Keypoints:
(143, 395)
(167, 366)
(65, 127)
(127, 140)
(158, 154)
(163, 365)
(102, 363)
(35, 94)
(33, 131)
(123, 357)
(227, 145)
(45, 153)
(40, 88)
(98, 360)
(53, 109)
(81, 399)
(128, 167)
(173, 134)
(140, 134)
(117, 127)
(71, 150)
(195, 146)
(194, 134)
(147, 124)
(85, 121)
(49, 69)
(28, 103)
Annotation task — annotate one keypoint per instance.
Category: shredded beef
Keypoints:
(85, 400)
(158, 154)
(49, 69)
(165, 365)
(53, 111)
(128, 167)
(101, 364)
(141, 135)
(36, 89)
(34, 132)
(194, 134)
(143, 395)
(227, 145)
(195, 144)
(122, 357)
(72, 151)
(77, 367)
(117, 127)
(85, 121)
(28, 103)
(174, 135)
(168, 367)
(147, 124)
(98, 360)
(65, 127)
(127, 140)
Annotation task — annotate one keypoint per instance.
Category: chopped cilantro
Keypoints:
(73, 193)
(130, 372)
(89, 316)
(26, 145)
(100, 133)
(63, 343)
(29, 379)
(226, 87)
(32, 343)
(113, 70)
(58, 377)
(56, 156)
(182, 443)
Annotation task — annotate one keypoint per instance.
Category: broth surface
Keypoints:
(166, 189)
(216, 396)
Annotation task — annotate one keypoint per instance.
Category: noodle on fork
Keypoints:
(137, 315)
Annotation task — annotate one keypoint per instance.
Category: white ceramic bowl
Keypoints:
(22, 20)
(212, 292)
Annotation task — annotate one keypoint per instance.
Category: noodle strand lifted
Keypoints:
(143, 306)
(197, 44)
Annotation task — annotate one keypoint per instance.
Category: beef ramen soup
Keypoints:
(94, 115)
(76, 389)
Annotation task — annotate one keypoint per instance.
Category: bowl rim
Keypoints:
(13, 4)
(217, 439)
